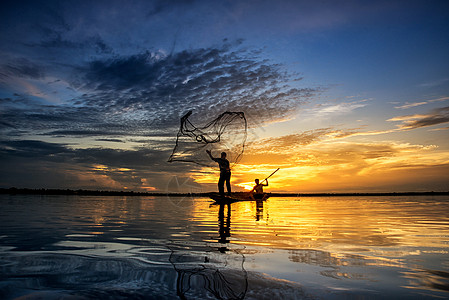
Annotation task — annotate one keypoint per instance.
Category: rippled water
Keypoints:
(159, 247)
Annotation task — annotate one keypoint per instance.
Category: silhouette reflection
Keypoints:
(224, 225)
(203, 271)
(259, 210)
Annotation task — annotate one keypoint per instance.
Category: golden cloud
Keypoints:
(336, 165)
(435, 117)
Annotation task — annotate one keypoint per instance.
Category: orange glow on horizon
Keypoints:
(337, 166)
(246, 185)
(149, 188)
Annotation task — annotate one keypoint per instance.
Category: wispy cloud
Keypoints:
(439, 99)
(409, 105)
(435, 117)
(439, 129)
(21, 67)
(326, 109)
(297, 141)
(434, 83)
(292, 140)
(414, 104)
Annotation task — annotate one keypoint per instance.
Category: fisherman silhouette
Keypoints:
(257, 191)
(225, 172)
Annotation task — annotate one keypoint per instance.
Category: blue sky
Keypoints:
(91, 92)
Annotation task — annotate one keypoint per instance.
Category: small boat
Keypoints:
(236, 197)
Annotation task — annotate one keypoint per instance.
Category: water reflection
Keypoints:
(218, 271)
(431, 279)
(259, 210)
(149, 247)
(224, 225)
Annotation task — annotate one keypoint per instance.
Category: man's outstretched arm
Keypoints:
(210, 154)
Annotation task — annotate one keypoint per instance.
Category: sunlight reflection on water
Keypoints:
(334, 247)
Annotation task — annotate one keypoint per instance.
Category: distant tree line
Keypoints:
(80, 192)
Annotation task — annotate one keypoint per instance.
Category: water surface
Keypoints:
(159, 247)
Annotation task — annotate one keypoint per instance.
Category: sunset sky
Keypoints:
(342, 96)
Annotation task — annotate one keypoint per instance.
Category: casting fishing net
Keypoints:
(226, 133)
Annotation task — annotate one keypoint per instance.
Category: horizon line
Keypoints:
(86, 192)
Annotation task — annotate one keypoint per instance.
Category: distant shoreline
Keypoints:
(25, 191)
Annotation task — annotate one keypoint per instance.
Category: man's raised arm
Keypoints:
(210, 154)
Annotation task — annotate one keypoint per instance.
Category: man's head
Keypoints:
(223, 154)
(257, 181)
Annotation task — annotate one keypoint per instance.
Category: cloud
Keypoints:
(138, 93)
(111, 140)
(434, 83)
(329, 164)
(414, 104)
(439, 99)
(442, 128)
(21, 67)
(322, 110)
(209, 80)
(435, 117)
(31, 148)
(310, 137)
(290, 141)
(409, 105)
(33, 163)
(285, 150)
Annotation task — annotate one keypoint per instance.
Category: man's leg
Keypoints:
(221, 182)
(228, 183)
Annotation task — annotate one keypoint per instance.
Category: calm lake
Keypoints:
(92, 247)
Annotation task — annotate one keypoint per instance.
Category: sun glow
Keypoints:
(99, 167)
(246, 185)
(336, 166)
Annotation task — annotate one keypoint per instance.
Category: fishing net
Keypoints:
(226, 133)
